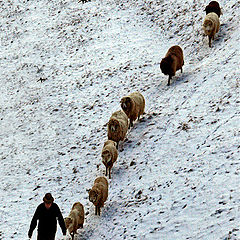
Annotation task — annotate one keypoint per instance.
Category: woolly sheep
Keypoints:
(75, 219)
(109, 155)
(172, 62)
(99, 193)
(133, 105)
(117, 126)
(211, 26)
(213, 6)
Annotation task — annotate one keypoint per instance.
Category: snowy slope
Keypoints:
(65, 66)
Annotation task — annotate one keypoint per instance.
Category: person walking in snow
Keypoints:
(47, 214)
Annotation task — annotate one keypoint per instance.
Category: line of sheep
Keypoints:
(133, 107)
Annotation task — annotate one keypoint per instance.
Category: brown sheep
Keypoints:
(99, 193)
(211, 26)
(75, 219)
(213, 6)
(172, 62)
(109, 155)
(133, 105)
(117, 126)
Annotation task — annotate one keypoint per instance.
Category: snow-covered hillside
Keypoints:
(65, 66)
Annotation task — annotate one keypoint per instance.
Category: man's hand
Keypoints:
(29, 234)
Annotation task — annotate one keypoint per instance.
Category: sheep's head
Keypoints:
(208, 26)
(106, 157)
(68, 221)
(126, 103)
(166, 66)
(113, 125)
(113, 143)
(93, 196)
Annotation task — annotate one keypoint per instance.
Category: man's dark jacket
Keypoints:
(47, 225)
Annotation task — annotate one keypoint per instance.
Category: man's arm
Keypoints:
(33, 222)
(61, 221)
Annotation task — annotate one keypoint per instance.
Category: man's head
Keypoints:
(48, 200)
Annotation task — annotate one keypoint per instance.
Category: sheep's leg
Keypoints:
(96, 210)
(181, 69)
(209, 37)
(109, 172)
(131, 124)
(169, 80)
(72, 235)
(106, 171)
(99, 211)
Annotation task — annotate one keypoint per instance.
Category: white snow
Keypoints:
(65, 66)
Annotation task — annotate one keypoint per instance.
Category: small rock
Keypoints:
(132, 163)
(36, 188)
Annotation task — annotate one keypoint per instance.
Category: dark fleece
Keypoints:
(213, 6)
